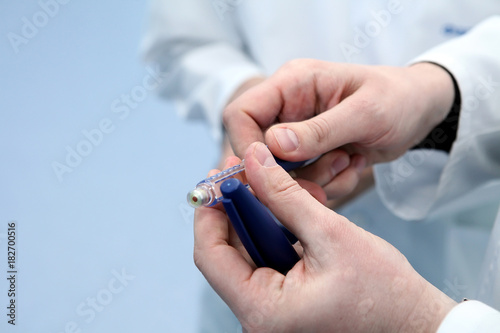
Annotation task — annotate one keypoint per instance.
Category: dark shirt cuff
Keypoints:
(443, 135)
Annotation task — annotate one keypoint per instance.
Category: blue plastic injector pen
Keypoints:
(207, 192)
(265, 241)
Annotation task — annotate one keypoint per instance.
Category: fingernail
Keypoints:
(264, 156)
(286, 138)
(339, 164)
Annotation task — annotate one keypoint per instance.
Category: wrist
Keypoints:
(429, 311)
(437, 93)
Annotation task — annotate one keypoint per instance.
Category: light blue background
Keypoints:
(124, 206)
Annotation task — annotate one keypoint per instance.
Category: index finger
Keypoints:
(247, 117)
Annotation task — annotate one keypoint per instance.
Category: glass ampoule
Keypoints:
(207, 192)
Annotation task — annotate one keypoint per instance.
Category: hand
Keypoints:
(347, 280)
(310, 107)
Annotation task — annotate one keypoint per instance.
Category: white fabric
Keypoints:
(471, 317)
(474, 161)
(470, 175)
(489, 288)
(424, 183)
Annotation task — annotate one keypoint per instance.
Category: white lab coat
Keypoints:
(429, 183)
(208, 48)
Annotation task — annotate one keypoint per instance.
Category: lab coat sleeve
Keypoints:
(197, 46)
(471, 317)
(427, 180)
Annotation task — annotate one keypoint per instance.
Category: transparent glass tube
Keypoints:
(207, 192)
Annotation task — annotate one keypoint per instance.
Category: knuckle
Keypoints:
(365, 107)
(320, 129)
(370, 109)
(284, 190)
(373, 117)
(334, 228)
(287, 188)
(289, 192)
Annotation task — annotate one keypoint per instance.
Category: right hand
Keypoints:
(310, 107)
(347, 280)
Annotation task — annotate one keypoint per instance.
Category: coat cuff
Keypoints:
(471, 317)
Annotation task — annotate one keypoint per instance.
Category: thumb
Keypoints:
(288, 201)
(340, 125)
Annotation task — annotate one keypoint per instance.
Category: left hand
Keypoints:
(310, 108)
(226, 149)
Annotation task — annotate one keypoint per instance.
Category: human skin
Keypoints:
(310, 108)
(226, 149)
